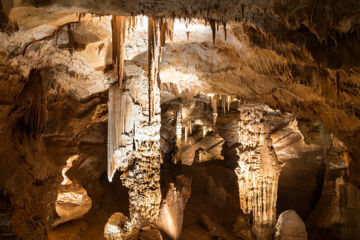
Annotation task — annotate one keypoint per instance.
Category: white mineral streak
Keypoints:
(258, 170)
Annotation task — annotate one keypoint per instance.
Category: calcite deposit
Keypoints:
(134, 145)
(258, 167)
(180, 119)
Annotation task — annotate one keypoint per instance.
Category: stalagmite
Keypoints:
(258, 170)
(118, 26)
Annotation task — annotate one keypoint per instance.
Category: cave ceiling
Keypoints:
(300, 56)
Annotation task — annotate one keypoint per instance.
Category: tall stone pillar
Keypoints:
(258, 170)
(134, 145)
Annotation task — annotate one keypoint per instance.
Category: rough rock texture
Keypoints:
(134, 145)
(194, 137)
(300, 161)
(72, 202)
(300, 57)
(258, 168)
(290, 227)
(114, 228)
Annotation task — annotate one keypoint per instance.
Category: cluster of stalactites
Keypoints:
(166, 30)
(188, 130)
(154, 52)
(225, 101)
(158, 29)
(119, 25)
(214, 24)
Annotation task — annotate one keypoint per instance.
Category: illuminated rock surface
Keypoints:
(257, 102)
(290, 227)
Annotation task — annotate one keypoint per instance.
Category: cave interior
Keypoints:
(180, 119)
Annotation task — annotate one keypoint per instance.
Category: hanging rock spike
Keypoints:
(213, 29)
(118, 27)
(228, 102)
(224, 26)
(223, 103)
(154, 51)
(190, 127)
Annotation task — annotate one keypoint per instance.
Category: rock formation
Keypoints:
(173, 206)
(290, 226)
(257, 102)
(134, 145)
(258, 168)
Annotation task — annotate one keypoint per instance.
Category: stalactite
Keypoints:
(81, 15)
(118, 26)
(163, 30)
(186, 134)
(154, 50)
(190, 127)
(228, 102)
(130, 23)
(224, 26)
(70, 28)
(170, 28)
(215, 101)
(213, 29)
(223, 103)
(166, 30)
(177, 155)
